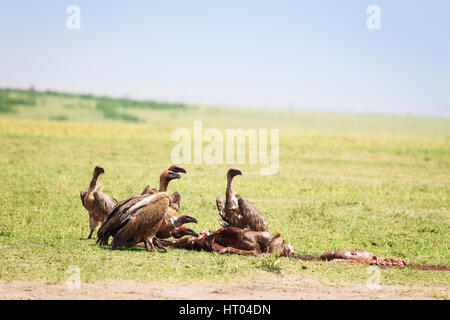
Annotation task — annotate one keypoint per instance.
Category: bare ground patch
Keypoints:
(271, 287)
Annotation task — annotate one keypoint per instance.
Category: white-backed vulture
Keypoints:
(237, 211)
(96, 202)
(135, 219)
(173, 224)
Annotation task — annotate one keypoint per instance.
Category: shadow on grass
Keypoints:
(121, 248)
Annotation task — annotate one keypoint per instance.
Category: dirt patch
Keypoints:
(272, 287)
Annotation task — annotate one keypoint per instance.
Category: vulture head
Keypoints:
(176, 168)
(98, 171)
(182, 219)
(234, 172)
(183, 231)
(170, 175)
(165, 178)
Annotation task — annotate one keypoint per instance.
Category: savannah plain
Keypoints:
(345, 181)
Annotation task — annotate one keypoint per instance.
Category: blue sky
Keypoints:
(316, 55)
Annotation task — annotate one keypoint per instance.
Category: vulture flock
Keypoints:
(151, 219)
(152, 216)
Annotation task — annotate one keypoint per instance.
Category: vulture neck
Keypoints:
(93, 183)
(230, 190)
(163, 182)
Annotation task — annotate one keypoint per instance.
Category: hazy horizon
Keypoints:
(206, 105)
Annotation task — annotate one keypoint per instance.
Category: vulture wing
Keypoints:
(175, 199)
(254, 219)
(116, 218)
(105, 202)
(82, 196)
(133, 218)
(142, 220)
(220, 209)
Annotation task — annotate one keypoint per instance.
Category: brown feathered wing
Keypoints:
(149, 190)
(220, 209)
(175, 199)
(253, 218)
(82, 196)
(105, 202)
(134, 219)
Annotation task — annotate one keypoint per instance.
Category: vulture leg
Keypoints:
(92, 225)
(159, 245)
(149, 245)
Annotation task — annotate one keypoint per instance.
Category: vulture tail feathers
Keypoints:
(82, 196)
(175, 201)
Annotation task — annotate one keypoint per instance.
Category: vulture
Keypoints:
(173, 225)
(237, 211)
(135, 219)
(142, 218)
(96, 202)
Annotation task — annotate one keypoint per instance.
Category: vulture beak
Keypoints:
(176, 168)
(182, 219)
(170, 175)
(99, 169)
(234, 172)
(189, 231)
(188, 219)
(183, 231)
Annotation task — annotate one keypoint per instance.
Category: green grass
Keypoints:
(345, 181)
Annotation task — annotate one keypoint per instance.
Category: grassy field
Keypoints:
(345, 181)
